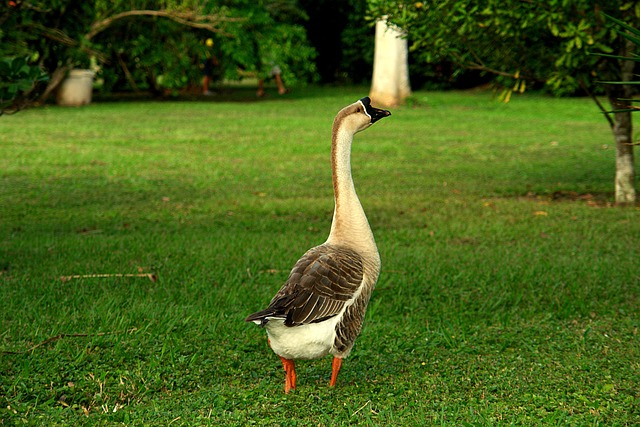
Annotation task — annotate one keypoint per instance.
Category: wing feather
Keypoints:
(318, 287)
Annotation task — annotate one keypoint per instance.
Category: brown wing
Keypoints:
(320, 284)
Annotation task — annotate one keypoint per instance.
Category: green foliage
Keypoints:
(633, 35)
(509, 289)
(158, 46)
(273, 36)
(160, 53)
(358, 44)
(51, 30)
(45, 32)
(17, 76)
(541, 43)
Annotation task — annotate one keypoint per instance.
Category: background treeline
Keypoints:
(159, 46)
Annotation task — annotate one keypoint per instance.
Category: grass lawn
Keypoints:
(509, 292)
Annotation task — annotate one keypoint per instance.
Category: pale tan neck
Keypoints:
(350, 226)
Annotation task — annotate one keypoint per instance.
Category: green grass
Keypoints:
(509, 293)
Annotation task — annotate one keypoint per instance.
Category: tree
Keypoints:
(152, 45)
(390, 83)
(17, 78)
(526, 42)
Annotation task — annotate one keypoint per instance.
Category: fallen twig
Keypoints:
(61, 336)
(362, 407)
(151, 276)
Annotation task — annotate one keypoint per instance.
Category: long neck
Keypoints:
(350, 226)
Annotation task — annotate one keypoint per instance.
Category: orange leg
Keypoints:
(290, 371)
(335, 368)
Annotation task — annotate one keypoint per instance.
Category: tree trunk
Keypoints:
(390, 84)
(625, 171)
(623, 131)
(57, 77)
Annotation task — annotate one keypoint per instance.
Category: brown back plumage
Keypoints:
(318, 287)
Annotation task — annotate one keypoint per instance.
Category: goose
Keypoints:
(321, 307)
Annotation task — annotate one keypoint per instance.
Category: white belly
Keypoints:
(309, 341)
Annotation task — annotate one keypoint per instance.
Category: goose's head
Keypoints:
(360, 115)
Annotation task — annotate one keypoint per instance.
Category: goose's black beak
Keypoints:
(375, 113)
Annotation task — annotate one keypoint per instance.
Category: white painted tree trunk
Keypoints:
(625, 170)
(390, 84)
(623, 132)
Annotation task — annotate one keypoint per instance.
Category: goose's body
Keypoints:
(320, 309)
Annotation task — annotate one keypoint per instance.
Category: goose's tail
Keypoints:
(263, 316)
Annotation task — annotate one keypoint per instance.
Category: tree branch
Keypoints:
(127, 73)
(191, 19)
(478, 65)
(57, 77)
(62, 38)
(597, 101)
